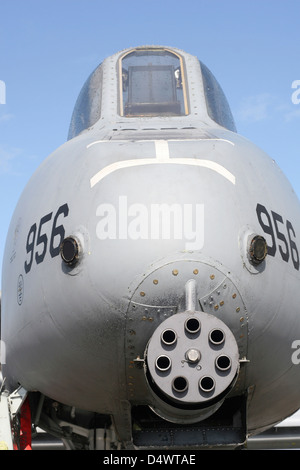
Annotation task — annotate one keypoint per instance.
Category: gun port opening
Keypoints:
(180, 384)
(168, 337)
(192, 325)
(206, 384)
(223, 362)
(217, 336)
(163, 363)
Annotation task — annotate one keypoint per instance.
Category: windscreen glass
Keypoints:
(152, 84)
(217, 105)
(87, 109)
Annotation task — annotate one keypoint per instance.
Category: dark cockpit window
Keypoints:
(87, 109)
(217, 105)
(152, 83)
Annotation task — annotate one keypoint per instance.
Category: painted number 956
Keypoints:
(281, 235)
(37, 239)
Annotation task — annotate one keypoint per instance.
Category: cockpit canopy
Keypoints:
(152, 82)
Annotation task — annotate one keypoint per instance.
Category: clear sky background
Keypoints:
(49, 47)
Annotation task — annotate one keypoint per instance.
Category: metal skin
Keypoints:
(84, 329)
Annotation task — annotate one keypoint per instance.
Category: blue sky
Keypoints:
(49, 47)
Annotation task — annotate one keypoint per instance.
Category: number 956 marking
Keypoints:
(283, 237)
(37, 239)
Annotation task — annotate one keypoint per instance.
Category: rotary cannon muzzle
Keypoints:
(192, 360)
